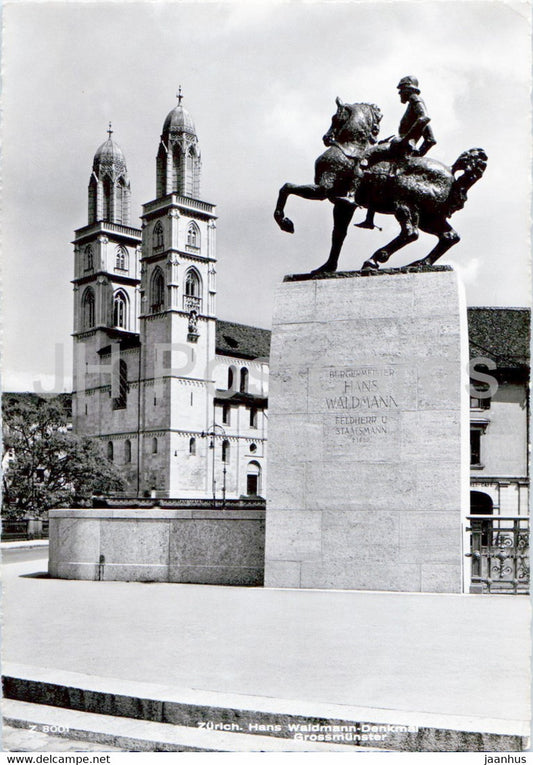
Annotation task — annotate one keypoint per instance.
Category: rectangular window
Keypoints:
(252, 485)
(121, 401)
(253, 417)
(475, 447)
(479, 403)
(226, 414)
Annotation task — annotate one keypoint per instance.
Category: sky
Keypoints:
(260, 81)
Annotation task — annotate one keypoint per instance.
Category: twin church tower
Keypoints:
(177, 396)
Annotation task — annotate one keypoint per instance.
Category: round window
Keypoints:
(253, 448)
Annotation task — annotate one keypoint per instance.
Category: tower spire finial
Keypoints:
(179, 96)
(109, 130)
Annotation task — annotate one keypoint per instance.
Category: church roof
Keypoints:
(502, 334)
(241, 340)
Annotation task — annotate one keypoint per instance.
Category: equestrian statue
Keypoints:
(393, 177)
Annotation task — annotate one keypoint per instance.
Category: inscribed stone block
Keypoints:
(368, 429)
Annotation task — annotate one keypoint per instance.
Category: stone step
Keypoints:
(260, 716)
(133, 735)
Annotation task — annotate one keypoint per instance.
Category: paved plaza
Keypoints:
(425, 658)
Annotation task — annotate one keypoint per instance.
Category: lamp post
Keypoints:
(212, 433)
(224, 488)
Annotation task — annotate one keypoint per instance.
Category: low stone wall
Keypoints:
(194, 546)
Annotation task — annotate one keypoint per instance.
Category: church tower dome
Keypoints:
(178, 121)
(109, 158)
(109, 186)
(178, 158)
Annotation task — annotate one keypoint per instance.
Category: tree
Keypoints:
(45, 465)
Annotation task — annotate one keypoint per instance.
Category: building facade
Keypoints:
(499, 454)
(178, 397)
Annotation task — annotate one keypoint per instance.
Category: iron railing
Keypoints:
(169, 503)
(24, 529)
(499, 548)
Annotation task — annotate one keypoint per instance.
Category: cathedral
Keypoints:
(177, 396)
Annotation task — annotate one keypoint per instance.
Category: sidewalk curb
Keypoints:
(273, 717)
(133, 734)
(24, 544)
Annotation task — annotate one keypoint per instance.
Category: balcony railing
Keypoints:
(192, 204)
(106, 226)
(192, 248)
(191, 303)
(499, 548)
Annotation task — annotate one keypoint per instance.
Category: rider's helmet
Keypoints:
(409, 82)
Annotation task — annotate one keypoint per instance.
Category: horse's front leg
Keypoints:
(312, 191)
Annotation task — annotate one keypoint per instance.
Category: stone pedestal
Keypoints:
(368, 432)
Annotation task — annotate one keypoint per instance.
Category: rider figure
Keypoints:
(414, 125)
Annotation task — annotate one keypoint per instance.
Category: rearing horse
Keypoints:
(420, 192)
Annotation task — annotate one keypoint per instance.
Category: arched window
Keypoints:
(192, 284)
(161, 171)
(121, 259)
(225, 452)
(157, 236)
(157, 291)
(253, 479)
(127, 450)
(481, 504)
(244, 380)
(110, 451)
(193, 236)
(120, 401)
(192, 291)
(87, 308)
(122, 211)
(120, 310)
(88, 259)
(231, 378)
(93, 184)
(177, 169)
(192, 446)
(107, 200)
(154, 445)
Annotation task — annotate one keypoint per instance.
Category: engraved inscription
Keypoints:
(359, 428)
(360, 405)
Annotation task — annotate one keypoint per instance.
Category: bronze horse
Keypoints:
(419, 191)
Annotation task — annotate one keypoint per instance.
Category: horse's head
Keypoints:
(354, 124)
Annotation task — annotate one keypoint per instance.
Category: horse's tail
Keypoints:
(472, 163)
